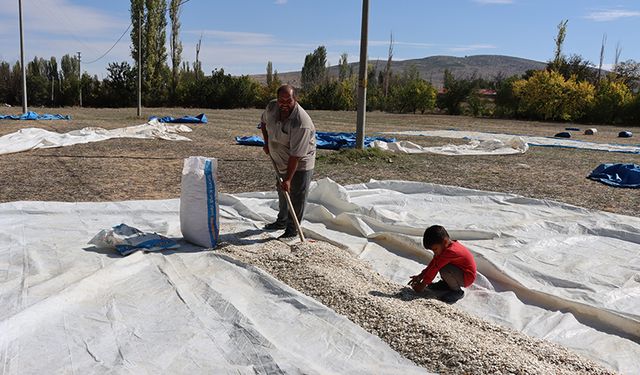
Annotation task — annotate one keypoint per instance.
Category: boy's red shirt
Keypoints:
(459, 256)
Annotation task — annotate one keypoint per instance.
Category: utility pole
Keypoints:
(362, 77)
(80, 77)
(24, 67)
(139, 64)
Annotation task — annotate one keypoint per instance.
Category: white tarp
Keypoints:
(531, 140)
(66, 307)
(514, 145)
(34, 138)
(550, 270)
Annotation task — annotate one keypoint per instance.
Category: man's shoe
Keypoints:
(439, 286)
(275, 226)
(288, 234)
(452, 296)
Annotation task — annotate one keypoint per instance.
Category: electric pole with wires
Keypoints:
(22, 65)
(80, 77)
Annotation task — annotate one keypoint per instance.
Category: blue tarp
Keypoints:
(199, 119)
(324, 140)
(34, 116)
(618, 175)
(251, 140)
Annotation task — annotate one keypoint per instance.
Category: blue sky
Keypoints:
(242, 35)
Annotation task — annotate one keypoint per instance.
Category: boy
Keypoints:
(454, 262)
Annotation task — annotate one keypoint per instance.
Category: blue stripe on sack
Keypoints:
(211, 202)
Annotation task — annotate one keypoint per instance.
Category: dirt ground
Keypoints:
(129, 169)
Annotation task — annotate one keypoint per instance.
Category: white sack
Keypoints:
(35, 138)
(126, 240)
(199, 211)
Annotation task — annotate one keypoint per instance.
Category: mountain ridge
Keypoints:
(432, 68)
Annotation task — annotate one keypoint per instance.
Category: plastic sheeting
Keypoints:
(35, 138)
(550, 270)
(515, 145)
(67, 307)
(617, 175)
(199, 119)
(531, 140)
(34, 116)
(324, 140)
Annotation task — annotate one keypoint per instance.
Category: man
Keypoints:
(290, 140)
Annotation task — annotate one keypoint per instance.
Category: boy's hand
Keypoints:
(414, 280)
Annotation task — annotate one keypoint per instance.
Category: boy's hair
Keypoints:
(435, 234)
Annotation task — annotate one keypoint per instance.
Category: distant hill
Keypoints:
(432, 68)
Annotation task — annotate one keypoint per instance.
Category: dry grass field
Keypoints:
(129, 169)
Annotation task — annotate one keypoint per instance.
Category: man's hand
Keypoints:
(286, 185)
(265, 148)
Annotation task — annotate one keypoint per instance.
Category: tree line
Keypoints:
(569, 89)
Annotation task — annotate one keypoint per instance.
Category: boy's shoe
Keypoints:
(452, 296)
(275, 226)
(288, 234)
(439, 286)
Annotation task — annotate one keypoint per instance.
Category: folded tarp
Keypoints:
(34, 116)
(324, 140)
(199, 119)
(250, 140)
(69, 308)
(531, 140)
(34, 138)
(489, 147)
(618, 175)
(337, 141)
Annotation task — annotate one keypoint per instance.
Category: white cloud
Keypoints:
(280, 2)
(471, 47)
(59, 17)
(492, 2)
(605, 15)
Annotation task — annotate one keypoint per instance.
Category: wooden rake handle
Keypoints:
(292, 211)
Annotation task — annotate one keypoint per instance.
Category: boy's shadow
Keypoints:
(404, 294)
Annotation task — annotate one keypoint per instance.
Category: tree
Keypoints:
(455, 92)
(120, 85)
(269, 73)
(37, 83)
(628, 72)
(51, 68)
(558, 56)
(344, 67)
(387, 68)
(175, 45)
(612, 99)
(69, 80)
(314, 69)
(153, 26)
(5, 82)
(547, 95)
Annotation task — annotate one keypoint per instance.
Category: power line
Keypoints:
(112, 47)
(122, 36)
